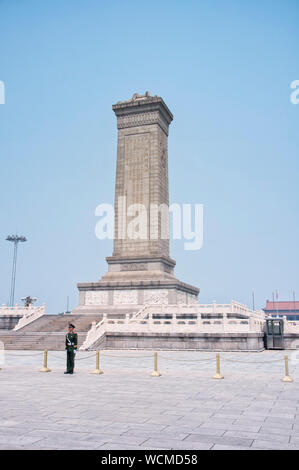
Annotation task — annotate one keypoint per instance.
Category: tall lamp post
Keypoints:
(15, 239)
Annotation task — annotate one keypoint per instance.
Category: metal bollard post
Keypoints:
(218, 374)
(97, 369)
(45, 368)
(155, 372)
(287, 378)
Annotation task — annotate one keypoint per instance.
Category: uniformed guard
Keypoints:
(71, 341)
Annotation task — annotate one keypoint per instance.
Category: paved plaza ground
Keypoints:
(126, 408)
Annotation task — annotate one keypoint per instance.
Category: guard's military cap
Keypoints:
(71, 325)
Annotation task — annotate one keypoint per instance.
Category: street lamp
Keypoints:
(15, 239)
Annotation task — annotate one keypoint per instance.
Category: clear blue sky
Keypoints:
(223, 67)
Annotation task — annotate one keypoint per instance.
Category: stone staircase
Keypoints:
(48, 332)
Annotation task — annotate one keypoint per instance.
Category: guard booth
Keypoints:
(274, 333)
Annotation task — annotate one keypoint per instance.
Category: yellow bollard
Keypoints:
(155, 372)
(287, 378)
(45, 368)
(218, 375)
(97, 369)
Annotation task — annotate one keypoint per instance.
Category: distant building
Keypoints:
(289, 309)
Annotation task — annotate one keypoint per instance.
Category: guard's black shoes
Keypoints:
(67, 372)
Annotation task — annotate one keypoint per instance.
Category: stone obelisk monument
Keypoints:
(140, 270)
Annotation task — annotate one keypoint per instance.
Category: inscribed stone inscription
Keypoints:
(96, 298)
(134, 267)
(151, 294)
(137, 161)
(125, 297)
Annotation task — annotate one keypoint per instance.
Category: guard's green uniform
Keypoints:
(71, 341)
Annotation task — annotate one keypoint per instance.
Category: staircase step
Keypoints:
(48, 331)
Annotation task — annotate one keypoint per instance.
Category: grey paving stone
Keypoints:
(177, 445)
(217, 422)
(18, 440)
(226, 414)
(235, 441)
(8, 447)
(203, 430)
(82, 422)
(277, 423)
(118, 428)
(270, 445)
(127, 440)
(7, 431)
(211, 425)
(294, 440)
(285, 416)
(118, 447)
(229, 447)
(244, 427)
(50, 434)
(8, 422)
(162, 419)
(65, 444)
(146, 427)
(255, 420)
(259, 435)
(275, 430)
(156, 435)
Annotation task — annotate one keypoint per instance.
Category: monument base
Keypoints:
(185, 341)
(131, 283)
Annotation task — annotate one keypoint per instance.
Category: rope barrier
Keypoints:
(148, 356)
(77, 359)
(57, 357)
(155, 372)
(83, 358)
(23, 355)
(186, 360)
(125, 357)
(252, 362)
